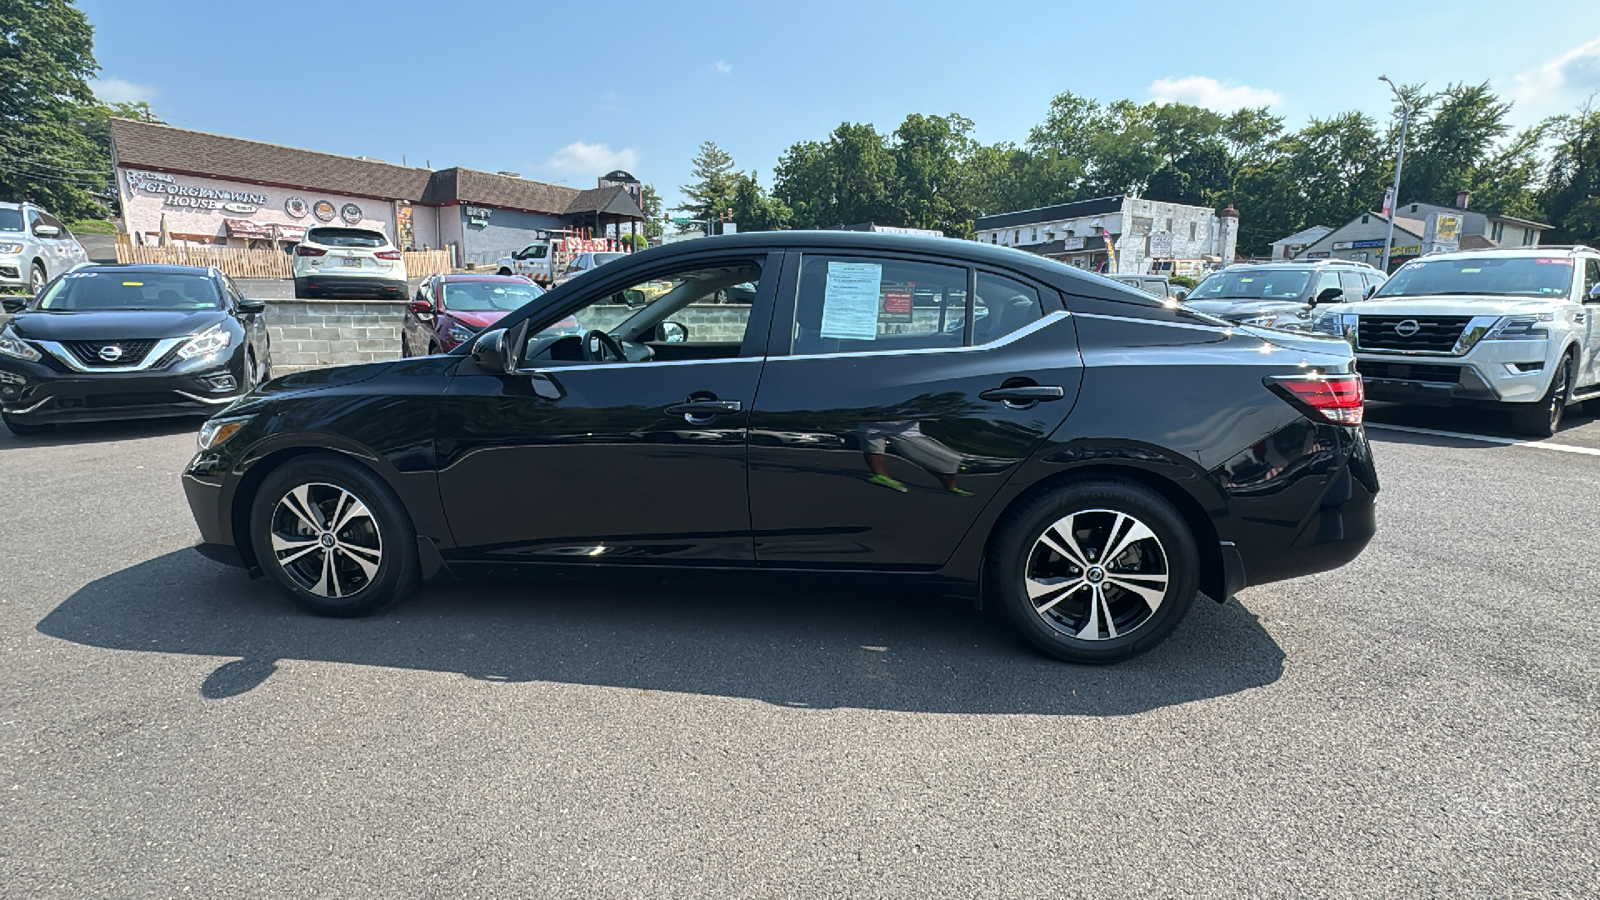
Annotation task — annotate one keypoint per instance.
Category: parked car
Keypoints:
(450, 309)
(827, 427)
(35, 247)
(1282, 294)
(337, 259)
(1156, 285)
(586, 262)
(1512, 329)
(129, 342)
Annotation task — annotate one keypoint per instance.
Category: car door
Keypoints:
(1590, 370)
(568, 459)
(884, 426)
(55, 248)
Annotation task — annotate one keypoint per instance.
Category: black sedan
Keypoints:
(1074, 451)
(126, 342)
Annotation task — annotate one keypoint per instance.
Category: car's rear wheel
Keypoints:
(503, 271)
(1094, 571)
(24, 429)
(334, 536)
(433, 348)
(37, 278)
(1543, 419)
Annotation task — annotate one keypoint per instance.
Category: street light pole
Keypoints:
(1400, 160)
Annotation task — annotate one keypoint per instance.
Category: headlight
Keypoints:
(206, 342)
(13, 346)
(9, 248)
(1518, 327)
(216, 431)
(1336, 324)
(460, 333)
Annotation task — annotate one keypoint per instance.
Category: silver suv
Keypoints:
(1282, 294)
(34, 247)
(1517, 329)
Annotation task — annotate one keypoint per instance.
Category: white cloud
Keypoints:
(579, 158)
(1560, 84)
(118, 90)
(724, 67)
(1198, 90)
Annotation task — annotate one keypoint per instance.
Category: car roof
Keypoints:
(147, 268)
(1050, 271)
(1515, 252)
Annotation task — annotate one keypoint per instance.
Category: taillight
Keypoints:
(387, 254)
(303, 250)
(1325, 398)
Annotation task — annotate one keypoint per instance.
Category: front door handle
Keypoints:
(1029, 393)
(699, 412)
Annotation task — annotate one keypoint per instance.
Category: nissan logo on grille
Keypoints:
(1407, 328)
(111, 353)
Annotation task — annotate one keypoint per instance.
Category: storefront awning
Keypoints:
(267, 231)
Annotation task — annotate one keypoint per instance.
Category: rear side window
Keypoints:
(347, 237)
(1355, 287)
(1002, 306)
(1591, 276)
(850, 304)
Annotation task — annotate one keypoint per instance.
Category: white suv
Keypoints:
(35, 247)
(335, 259)
(1517, 329)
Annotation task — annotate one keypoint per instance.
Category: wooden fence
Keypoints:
(240, 263)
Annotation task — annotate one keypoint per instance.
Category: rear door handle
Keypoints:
(699, 412)
(1031, 393)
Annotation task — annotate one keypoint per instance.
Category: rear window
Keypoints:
(346, 237)
(11, 220)
(78, 291)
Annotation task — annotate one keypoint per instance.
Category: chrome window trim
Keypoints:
(160, 350)
(651, 364)
(1037, 325)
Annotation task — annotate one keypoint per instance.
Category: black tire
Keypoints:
(37, 278)
(24, 429)
(1024, 573)
(433, 348)
(301, 292)
(405, 347)
(1543, 419)
(503, 271)
(355, 588)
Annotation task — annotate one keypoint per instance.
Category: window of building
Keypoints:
(1498, 233)
(851, 304)
(1016, 236)
(1527, 237)
(1193, 230)
(1169, 224)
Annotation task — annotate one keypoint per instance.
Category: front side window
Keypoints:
(1326, 281)
(1591, 275)
(487, 296)
(1487, 276)
(83, 291)
(708, 305)
(1353, 285)
(534, 251)
(854, 304)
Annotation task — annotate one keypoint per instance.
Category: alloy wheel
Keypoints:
(327, 540)
(36, 279)
(1558, 399)
(1097, 574)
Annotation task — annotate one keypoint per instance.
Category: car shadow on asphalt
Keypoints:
(814, 649)
(76, 433)
(1466, 420)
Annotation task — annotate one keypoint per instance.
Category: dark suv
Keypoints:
(1282, 294)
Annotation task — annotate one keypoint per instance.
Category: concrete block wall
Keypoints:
(309, 334)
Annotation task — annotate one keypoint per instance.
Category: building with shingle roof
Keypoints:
(227, 191)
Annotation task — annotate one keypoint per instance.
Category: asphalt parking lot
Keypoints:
(1422, 722)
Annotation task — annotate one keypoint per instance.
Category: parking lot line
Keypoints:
(1490, 439)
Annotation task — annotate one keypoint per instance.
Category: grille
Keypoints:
(1411, 372)
(88, 352)
(1435, 334)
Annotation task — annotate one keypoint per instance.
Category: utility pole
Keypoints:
(1400, 160)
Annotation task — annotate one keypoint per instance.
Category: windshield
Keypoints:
(486, 296)
(10, 220)
(1524, 276)
(346, 237)
(82, 291)
(1253, 284)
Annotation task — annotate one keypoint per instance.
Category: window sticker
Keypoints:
(133, 284)
(1246, 280)
(1472, 270)
(1553, 262)
(850, 301)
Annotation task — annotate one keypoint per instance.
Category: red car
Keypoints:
(449, 310)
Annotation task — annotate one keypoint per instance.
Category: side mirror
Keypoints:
(489, 351)
(1594, 295)
(674, 332)
(1371, 289)
(14, 305)
(252, 307)
(1328, 295)
(46, 231)
(633, 297)
(421, 307)
(1180, 294)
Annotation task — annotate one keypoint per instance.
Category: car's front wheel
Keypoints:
(37, 278)
(1094, 571)
(1543, 419)
(334, 536)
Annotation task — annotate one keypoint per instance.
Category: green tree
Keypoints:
(46, 61)
(930, 190)
(1571, 193)
(654, 224)
(803, 183)
(756, 210)
(711, 194)
(1458, 131)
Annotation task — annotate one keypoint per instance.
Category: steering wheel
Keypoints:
(597, 343)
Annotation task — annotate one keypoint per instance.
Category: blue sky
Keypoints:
(565, 92)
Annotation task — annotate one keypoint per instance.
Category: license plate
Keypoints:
(352, 262)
